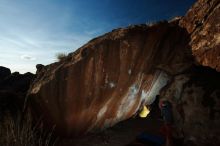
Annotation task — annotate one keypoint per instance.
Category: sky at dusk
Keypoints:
(34, 31)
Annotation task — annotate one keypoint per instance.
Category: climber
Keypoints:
(167, 114)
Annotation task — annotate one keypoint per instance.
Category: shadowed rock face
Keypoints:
(108, 79)
(202, 21)
(195, 96)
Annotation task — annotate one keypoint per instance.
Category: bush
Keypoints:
(60, 56)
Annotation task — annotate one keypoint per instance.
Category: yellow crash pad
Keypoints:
(145, 111)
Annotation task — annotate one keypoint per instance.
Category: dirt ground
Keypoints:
(119, 135)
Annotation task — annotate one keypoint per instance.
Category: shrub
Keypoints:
(60, 56)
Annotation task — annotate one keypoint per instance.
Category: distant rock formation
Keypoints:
(4, 72)
(13, 90)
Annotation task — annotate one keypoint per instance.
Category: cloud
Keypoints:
(28, 58)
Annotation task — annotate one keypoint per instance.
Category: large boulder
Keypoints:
(202, 21)
(107, 80)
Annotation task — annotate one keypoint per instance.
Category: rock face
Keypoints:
(13, 89)
(195, 96)
(202, 21)
(108, 79)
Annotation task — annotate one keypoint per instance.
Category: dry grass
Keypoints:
(20, 131)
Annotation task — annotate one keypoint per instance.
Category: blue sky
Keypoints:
(33, 31)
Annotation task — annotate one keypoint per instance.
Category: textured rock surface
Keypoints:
(195, 96)
(107, 80)
(202, 21)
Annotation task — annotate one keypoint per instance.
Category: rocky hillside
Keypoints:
(109, 78)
